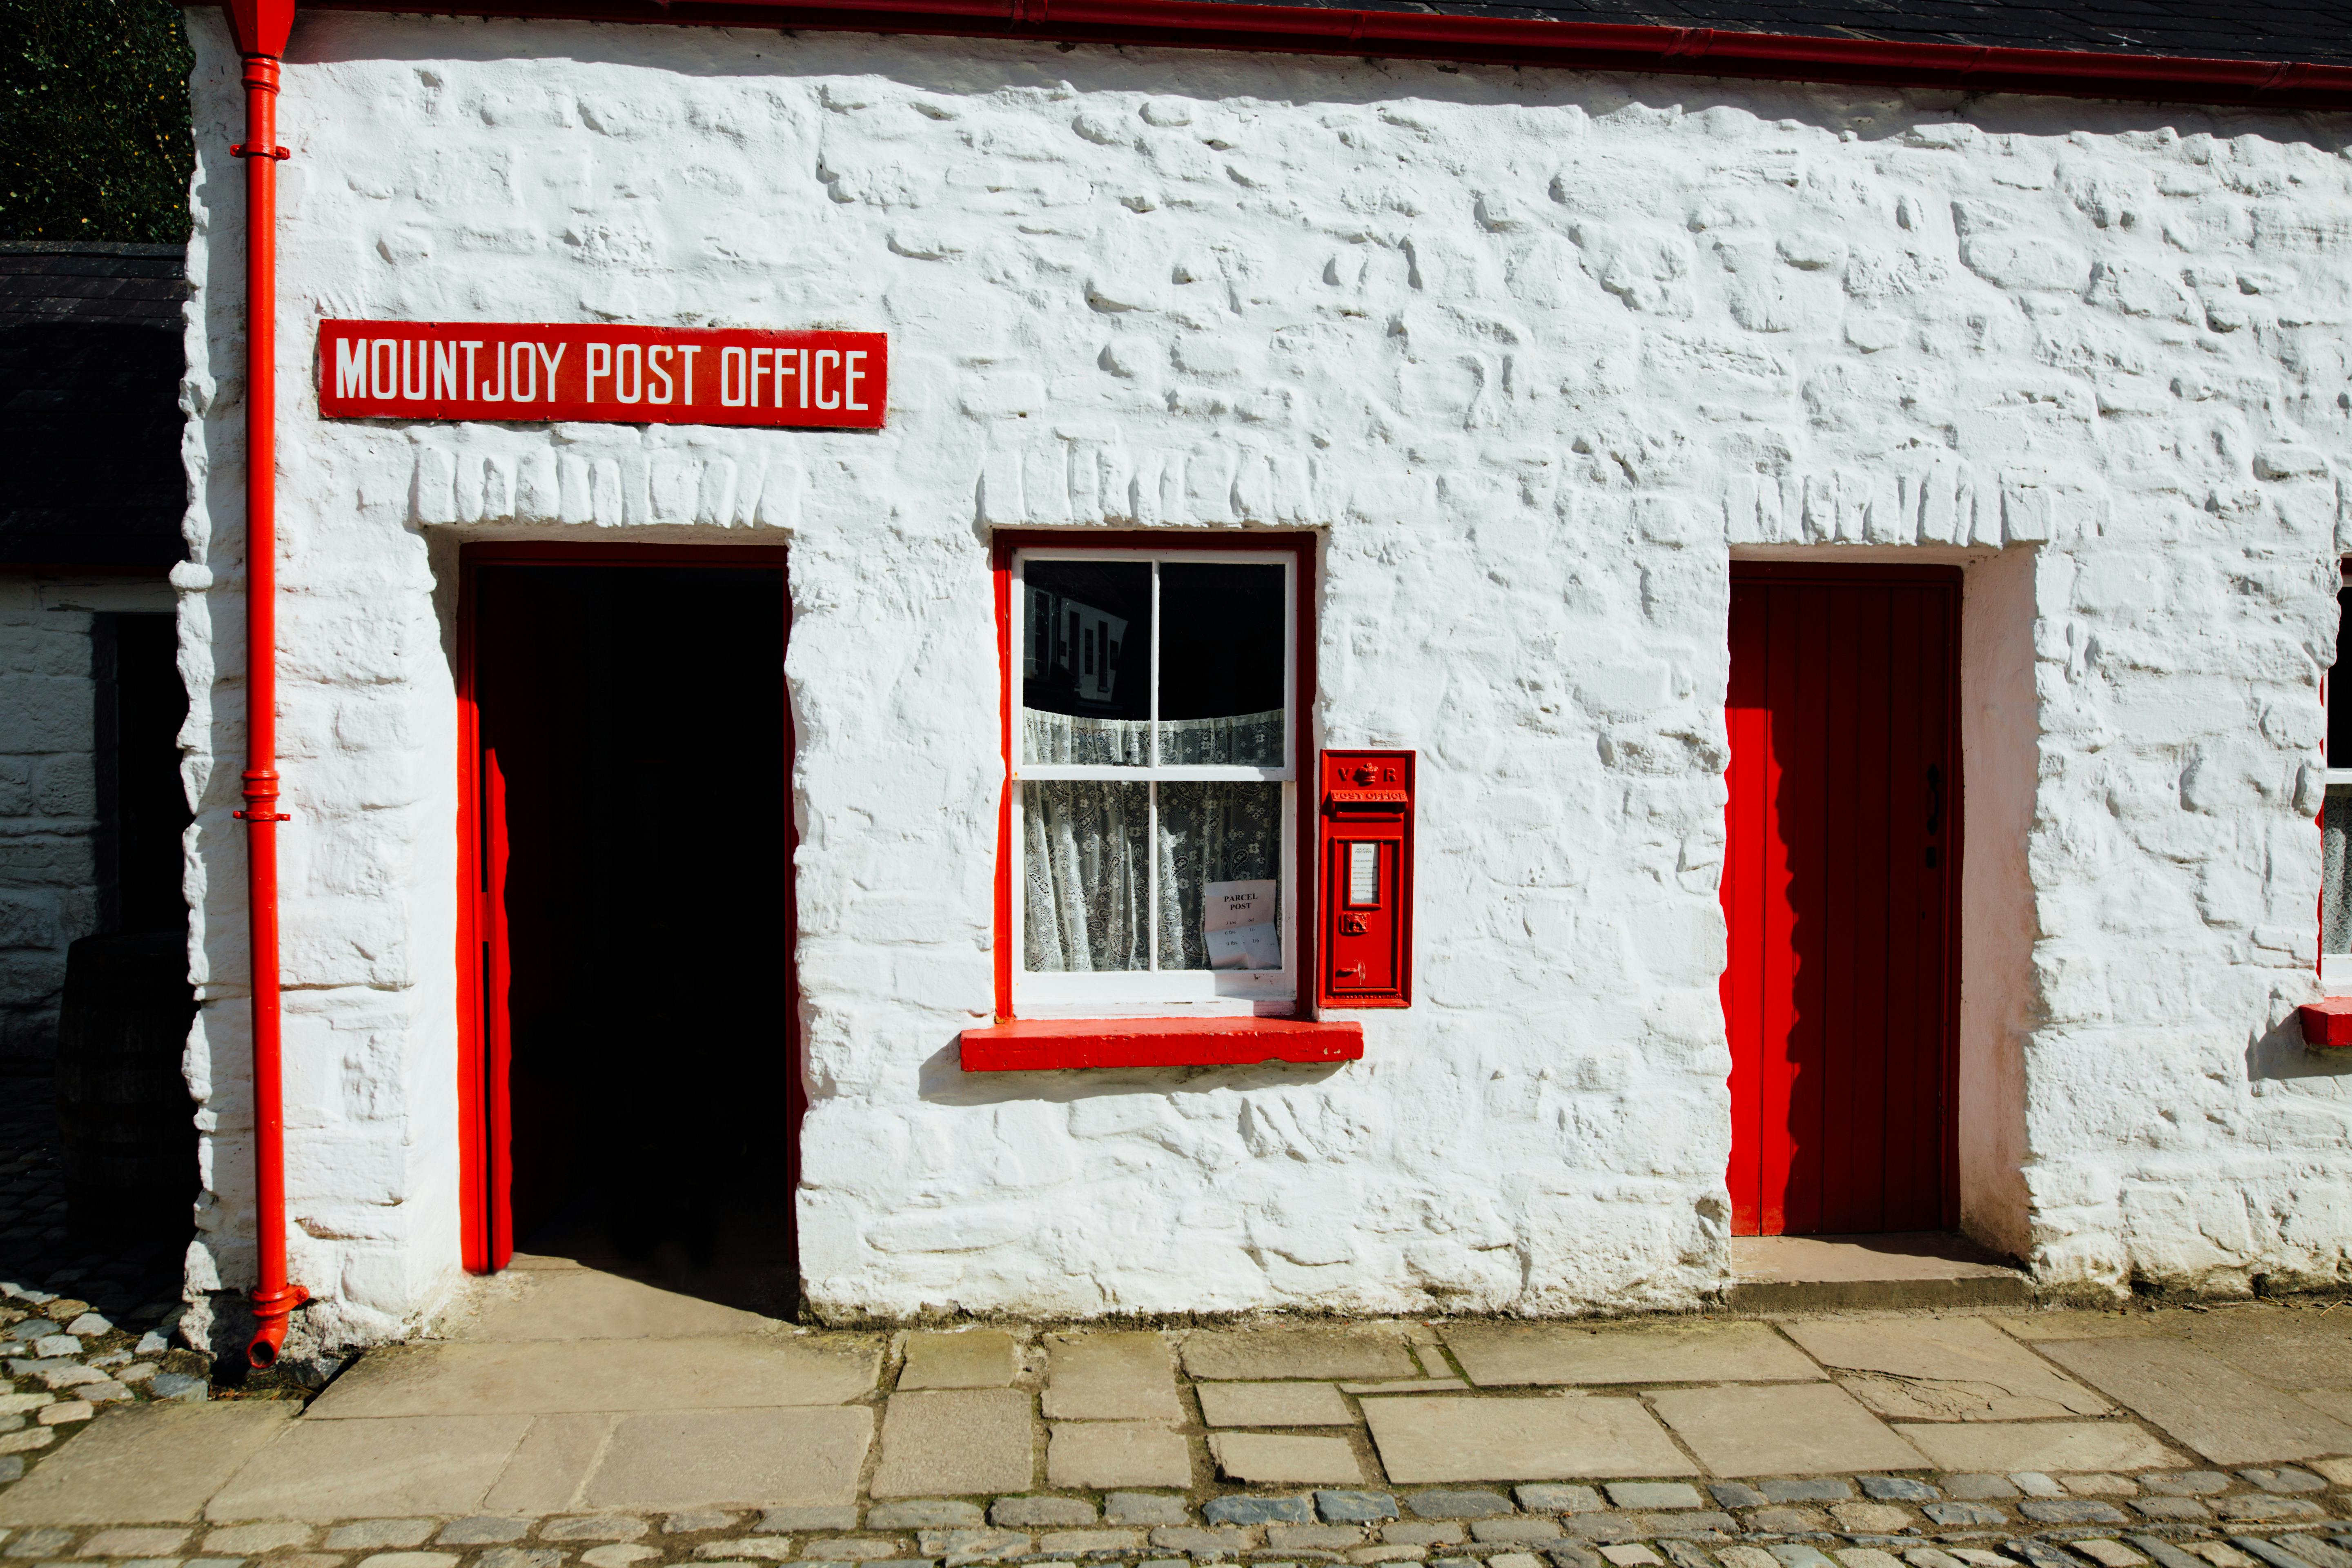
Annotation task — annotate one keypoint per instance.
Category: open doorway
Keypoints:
(631, 1081)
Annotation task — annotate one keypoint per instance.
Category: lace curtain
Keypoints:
(1249, 740)
(2335, 873)
(1088, 880)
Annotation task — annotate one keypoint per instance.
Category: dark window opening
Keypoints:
(1087, 639)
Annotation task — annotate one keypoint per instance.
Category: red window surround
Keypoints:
(1019, 1045)
(1036, 1043)
(2326, 1023)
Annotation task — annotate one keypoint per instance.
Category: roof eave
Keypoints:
(1420, 35)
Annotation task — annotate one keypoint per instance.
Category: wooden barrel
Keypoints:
(126, 1126)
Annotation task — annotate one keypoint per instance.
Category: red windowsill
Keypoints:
(2327, 1023)
(1041, 1045)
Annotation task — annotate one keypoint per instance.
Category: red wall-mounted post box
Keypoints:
(1365, 829)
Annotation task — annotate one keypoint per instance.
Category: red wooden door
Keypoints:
(1839, 887)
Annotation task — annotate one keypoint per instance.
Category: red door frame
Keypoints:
(1741, 891)
(485, 1156)
(1302, 547)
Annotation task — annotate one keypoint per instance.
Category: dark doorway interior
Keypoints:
(142, 808)
(632, 731)
(98, 1160)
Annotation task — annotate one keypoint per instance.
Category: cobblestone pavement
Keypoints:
(570, 1417)
(124, 1281)
(83, 1321)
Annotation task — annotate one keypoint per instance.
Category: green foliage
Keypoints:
(94, 137)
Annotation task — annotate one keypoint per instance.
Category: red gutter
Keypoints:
(261, 27)
(1420, 35)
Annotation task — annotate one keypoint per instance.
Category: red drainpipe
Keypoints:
(261, 27)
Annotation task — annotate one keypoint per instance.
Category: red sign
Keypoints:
(613, 375)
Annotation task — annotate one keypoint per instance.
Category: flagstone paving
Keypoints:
(1497, 1354)
(574, 1418)
(1272, 1405)
(1107, 1375)
(982, 1358)
(2212, 1406)
(2042, 1447)
(1101, 1456)
(1551, 1437)
(1274, 1458)
(1942, 1369)
(1782, 1430)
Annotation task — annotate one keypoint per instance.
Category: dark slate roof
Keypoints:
(115, 285)
(2317, 33)
(90, 358)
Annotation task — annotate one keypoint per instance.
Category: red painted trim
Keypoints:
(999, 556)
(498, 1013)
(1044, 1045)
(1304, 548)
(1743, 892)
(2327, 1023)
(1306, 746)
(1409, 35)
(261, 26)
(1764, 706)
(1340, 824)
(472, 957)
(483, 355)
(274, 1296)
(484, 1178)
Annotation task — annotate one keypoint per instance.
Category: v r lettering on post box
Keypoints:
(621, 374)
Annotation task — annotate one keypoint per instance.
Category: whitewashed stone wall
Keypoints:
(1537, 351)
(48, 791)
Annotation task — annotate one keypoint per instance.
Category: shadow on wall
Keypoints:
(2278, 1054)
(943, 1081)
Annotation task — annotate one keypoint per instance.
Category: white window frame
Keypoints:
(1158, 992)
(2335, 968)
